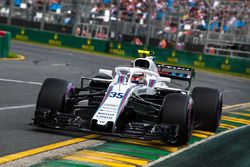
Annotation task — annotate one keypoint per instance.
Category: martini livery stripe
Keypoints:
(151, 83)
(122, 105)
(121, 79)
(106, 96)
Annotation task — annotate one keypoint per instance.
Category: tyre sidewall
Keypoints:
(52, 94)
(177, 110)
(207, 108)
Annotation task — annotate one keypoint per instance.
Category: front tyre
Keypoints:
(53, 94)
(207, 108)
(177, 110)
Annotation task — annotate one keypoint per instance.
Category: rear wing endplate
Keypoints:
(176, 72)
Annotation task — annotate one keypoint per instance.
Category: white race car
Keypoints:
(140, 101)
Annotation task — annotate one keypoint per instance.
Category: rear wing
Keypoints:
(176, 72)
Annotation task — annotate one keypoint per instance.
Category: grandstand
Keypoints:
(207, 26)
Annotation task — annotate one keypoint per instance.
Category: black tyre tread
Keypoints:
(52, 94)
(207, 108)
(175, 111)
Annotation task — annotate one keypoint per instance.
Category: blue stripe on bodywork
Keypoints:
(120, 109)
(105, 97)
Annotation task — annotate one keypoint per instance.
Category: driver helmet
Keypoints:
(138, 78)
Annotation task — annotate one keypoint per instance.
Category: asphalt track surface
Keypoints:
(42, 62)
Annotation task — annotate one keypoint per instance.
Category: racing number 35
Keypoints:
(116, 95)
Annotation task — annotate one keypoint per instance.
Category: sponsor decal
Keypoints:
(112, 105)
(118, 51)
(141, 91)
(199, 62)
(116, 95)
(109, 108)
(105, 116)
(22, 36)
(88, 46)
(173, 58)
(55, 41)
(121, 79)
(111, 44)
(226, 65)
(151, 83)
(119, 45)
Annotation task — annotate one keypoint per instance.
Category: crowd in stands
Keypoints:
(178, 18)
(195, 16)
(57, 11)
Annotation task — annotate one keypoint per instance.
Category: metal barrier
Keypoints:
(167, 56)
(69, 14)
(4, 43)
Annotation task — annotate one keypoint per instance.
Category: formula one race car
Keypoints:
(138, 102)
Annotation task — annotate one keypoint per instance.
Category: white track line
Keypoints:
(192, 145)
(236, 106)
(17, 107)
(18, 81)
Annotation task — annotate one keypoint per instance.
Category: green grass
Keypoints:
(228, 73)
(209, 70)
(12, 55)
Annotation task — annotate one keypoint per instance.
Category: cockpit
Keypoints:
(142, 63)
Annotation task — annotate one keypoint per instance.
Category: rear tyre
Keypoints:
(177, 110)
(53, 94)
(207, 108)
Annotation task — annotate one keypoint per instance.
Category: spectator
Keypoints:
(55, 6)
(163, 43)
(78, 31)
(120, 37)
(136, 41)
(18, 2)
(211, 50)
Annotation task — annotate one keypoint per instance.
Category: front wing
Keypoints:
(136, 130)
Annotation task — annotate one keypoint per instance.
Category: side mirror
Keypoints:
(107, 72)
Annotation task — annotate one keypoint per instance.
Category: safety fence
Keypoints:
(170, 56)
